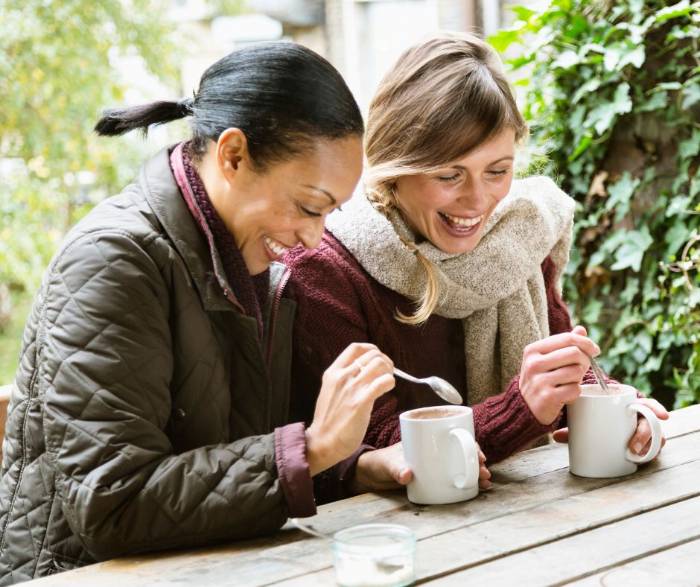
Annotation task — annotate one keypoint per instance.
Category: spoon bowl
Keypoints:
(441, 387)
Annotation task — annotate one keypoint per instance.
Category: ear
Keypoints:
(231, 150)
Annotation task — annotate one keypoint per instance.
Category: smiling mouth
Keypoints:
(275, 248)
(459, 225)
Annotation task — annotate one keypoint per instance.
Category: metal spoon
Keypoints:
(445, 390)
(599, 375)
(382, 565)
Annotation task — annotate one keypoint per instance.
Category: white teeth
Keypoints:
(466, 222)
(276, 247)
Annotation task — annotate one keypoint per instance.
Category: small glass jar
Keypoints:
(374, 555)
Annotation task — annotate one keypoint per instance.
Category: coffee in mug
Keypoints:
(439, 447)
(430, 414)
(600, 427)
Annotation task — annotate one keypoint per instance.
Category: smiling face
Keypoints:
(450, 206)
(270, 211)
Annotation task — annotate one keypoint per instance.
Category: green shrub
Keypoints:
(613, 97)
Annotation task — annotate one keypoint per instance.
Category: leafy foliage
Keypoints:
(57, 66)
(613, 97)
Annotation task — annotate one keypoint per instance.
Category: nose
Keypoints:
(473, 192)
(312, 232)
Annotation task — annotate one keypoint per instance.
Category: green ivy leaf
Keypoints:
(590, 86)
(620, 194)
(691, 95)
(636, 57)
(657, 101)
(522, 12)
(603, 115)
(682, 8)
(567, 60)
(504, 39)
(631, 252)
(690, 147)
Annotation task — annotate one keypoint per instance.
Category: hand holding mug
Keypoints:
(386, 468)
(640, 443)
(602, 426)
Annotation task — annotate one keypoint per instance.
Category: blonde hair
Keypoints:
(443, 98)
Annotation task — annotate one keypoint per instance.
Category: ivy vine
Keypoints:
(613, 99)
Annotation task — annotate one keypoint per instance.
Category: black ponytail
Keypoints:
(281, 95)
(122, 120)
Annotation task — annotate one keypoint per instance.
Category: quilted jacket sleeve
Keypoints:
(106, 366)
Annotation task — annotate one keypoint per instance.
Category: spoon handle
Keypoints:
(309, 529)
(406, 376)
(600, 375)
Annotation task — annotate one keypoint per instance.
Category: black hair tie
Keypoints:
(186, 106)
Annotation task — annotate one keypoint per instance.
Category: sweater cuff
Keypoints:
(504, 424)
(293, 470)
(348, 467)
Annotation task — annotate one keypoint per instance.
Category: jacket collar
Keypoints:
(163, 196)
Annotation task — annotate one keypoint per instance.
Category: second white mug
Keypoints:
(439, 447)
(600, 427)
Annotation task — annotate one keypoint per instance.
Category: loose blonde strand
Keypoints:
(431, 294)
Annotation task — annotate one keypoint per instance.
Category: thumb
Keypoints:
(561, 435)
(402, 475)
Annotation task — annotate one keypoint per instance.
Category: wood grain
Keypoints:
(535, 503)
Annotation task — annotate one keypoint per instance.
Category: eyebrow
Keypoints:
(324, 192)
(506, 158)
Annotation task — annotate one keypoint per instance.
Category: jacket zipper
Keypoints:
(273, 312)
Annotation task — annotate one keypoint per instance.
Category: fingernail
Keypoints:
(638, 447)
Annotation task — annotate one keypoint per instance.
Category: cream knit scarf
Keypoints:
(497, 289)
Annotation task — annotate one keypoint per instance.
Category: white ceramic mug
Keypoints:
(600, 427)
(439, 447)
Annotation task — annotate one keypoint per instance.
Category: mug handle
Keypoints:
(471, 459)
(656, 434)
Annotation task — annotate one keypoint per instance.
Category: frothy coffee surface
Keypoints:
(597, 390)
(431, 414)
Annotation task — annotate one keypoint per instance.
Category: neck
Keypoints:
(208, 171)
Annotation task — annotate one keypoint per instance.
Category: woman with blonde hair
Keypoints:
(447, 264)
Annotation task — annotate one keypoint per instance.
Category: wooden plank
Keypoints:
(589, 552)
(682, 422)
(483, 542)
(290, 554)
(555, 456)
(677, 567)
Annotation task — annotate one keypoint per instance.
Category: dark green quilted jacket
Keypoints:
(144, 406)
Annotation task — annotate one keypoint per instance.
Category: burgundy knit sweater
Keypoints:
(340, 303)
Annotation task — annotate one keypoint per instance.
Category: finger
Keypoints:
(484, 473)
(561, 358)
(561, 435)
(640, 437)
(404, 476)
(565, 339)
(568, 393)
(375, 368)
(578, 329)
(573, 374)
(485, 483)
(379, 386)
(655, 407)
(482, 457)
(352, 352)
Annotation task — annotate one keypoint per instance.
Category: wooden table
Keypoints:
(539, 525)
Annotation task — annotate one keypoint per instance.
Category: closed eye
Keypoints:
(448, 178)
(308, 212)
